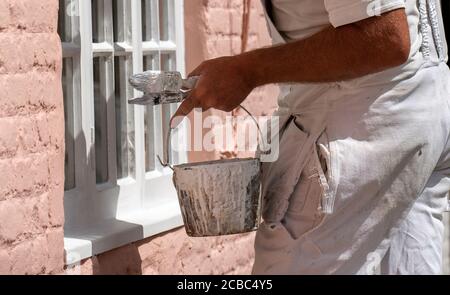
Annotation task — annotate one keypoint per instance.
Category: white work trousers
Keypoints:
(360, 176)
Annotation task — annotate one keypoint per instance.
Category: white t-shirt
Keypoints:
(300, 18)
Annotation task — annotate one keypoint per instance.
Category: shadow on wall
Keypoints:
(80, 224)
(121, 261)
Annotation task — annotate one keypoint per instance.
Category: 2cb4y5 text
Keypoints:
(231, 284)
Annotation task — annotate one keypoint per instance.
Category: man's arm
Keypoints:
(334, 54)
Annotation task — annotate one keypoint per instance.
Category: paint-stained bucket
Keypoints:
(218, 197)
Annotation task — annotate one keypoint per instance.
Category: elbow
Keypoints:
(400, 50)
(389, 37)
(396, 39)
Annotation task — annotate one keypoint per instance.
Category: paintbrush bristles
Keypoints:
(157, 82)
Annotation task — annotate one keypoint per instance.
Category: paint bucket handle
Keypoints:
(165, 162)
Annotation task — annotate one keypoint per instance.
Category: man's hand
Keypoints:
(334, 54)
(222, 85)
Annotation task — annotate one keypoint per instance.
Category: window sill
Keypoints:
(83, 243)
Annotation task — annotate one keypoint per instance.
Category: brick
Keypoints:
(39, 255)
(31, 16)
(237, 4)
(55, 120)
(15, 93)
(236, 21)
(41, 211)
(25, 52)
(5, 262)
(23, 176)
(23, 217)
(56, 207)
(8, 137)
(45, 128)
(13, 216)
(56, 168)
(24, 134)
(55, 242)
(30, 256)
(5, 16)
(20, 258)
(28, 134)
(219, 21)
(216, 4)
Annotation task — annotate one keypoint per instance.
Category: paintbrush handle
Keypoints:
(190, 82)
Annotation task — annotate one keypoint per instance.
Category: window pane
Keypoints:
(124, 118)
(164, 20)
(118, 22)
(146, 20)
(150, 63)
(100, 111)
(122, 20)
(168, 62)
(98, 20)
(69, 159)
(64, 20)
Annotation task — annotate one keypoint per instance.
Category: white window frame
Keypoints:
(100, 217)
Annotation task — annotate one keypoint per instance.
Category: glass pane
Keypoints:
(164, 20)
(150, 63)
(64, 20)
(69, 159)
(146, 20)
(118, 21)
(124, 118)
(97, 20)
(168, 62)
(100, 111)
(122, 20)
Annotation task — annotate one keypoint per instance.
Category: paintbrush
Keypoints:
(161, 87)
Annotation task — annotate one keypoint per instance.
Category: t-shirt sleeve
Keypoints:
(343, 12)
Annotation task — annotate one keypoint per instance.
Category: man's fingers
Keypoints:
(185, 108)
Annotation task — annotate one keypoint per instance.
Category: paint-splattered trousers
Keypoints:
(361, 181)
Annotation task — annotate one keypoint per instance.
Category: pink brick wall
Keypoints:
(32, 147)
(31, 139)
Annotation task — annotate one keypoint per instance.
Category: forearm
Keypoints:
(334, 54)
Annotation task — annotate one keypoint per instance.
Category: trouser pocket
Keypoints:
(280, 178)
(302, 171)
